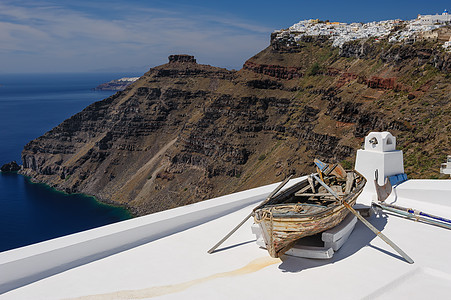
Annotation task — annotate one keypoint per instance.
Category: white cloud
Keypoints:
(80, 40)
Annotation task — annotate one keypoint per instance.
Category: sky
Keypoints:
(54, 36)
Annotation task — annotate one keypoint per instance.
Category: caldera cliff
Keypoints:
(185, 132)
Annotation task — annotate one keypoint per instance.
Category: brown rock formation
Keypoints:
(10, 167)
(381, 83)
(185, 132)
(276, 71)
(345, 78)
(181, 58)
(374, 82)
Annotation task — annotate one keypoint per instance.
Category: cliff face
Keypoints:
(185, 132)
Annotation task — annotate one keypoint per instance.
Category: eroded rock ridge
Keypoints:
(185, 131)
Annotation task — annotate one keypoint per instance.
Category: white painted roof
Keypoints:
(176, 265)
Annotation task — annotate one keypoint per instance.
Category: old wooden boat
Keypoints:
(305, 209)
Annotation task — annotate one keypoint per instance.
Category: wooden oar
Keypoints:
(250, 215)
(368, 224)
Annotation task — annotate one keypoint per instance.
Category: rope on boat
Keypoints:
(261, 217)
(268, 215)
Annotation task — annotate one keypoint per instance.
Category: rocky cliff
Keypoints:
(185, 132)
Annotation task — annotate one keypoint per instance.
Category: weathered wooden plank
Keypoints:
(304, 189)
(319, 194)
(350, 179)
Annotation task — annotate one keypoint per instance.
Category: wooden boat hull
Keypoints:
(283, 224)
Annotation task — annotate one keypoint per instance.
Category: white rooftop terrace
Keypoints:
(164, 256)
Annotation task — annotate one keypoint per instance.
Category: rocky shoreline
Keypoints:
(10, 167)
(13, 167)
(117, 84)
(129, 210)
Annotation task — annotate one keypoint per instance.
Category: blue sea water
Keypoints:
(30, 105)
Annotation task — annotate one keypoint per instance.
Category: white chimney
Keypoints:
(379, 154)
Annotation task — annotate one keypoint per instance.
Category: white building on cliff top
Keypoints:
(444, 18)
(341, 33)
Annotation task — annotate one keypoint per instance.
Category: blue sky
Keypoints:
(134, 35)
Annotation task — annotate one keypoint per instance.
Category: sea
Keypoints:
(30, 105)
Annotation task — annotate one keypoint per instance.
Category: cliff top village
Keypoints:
(423, 27)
